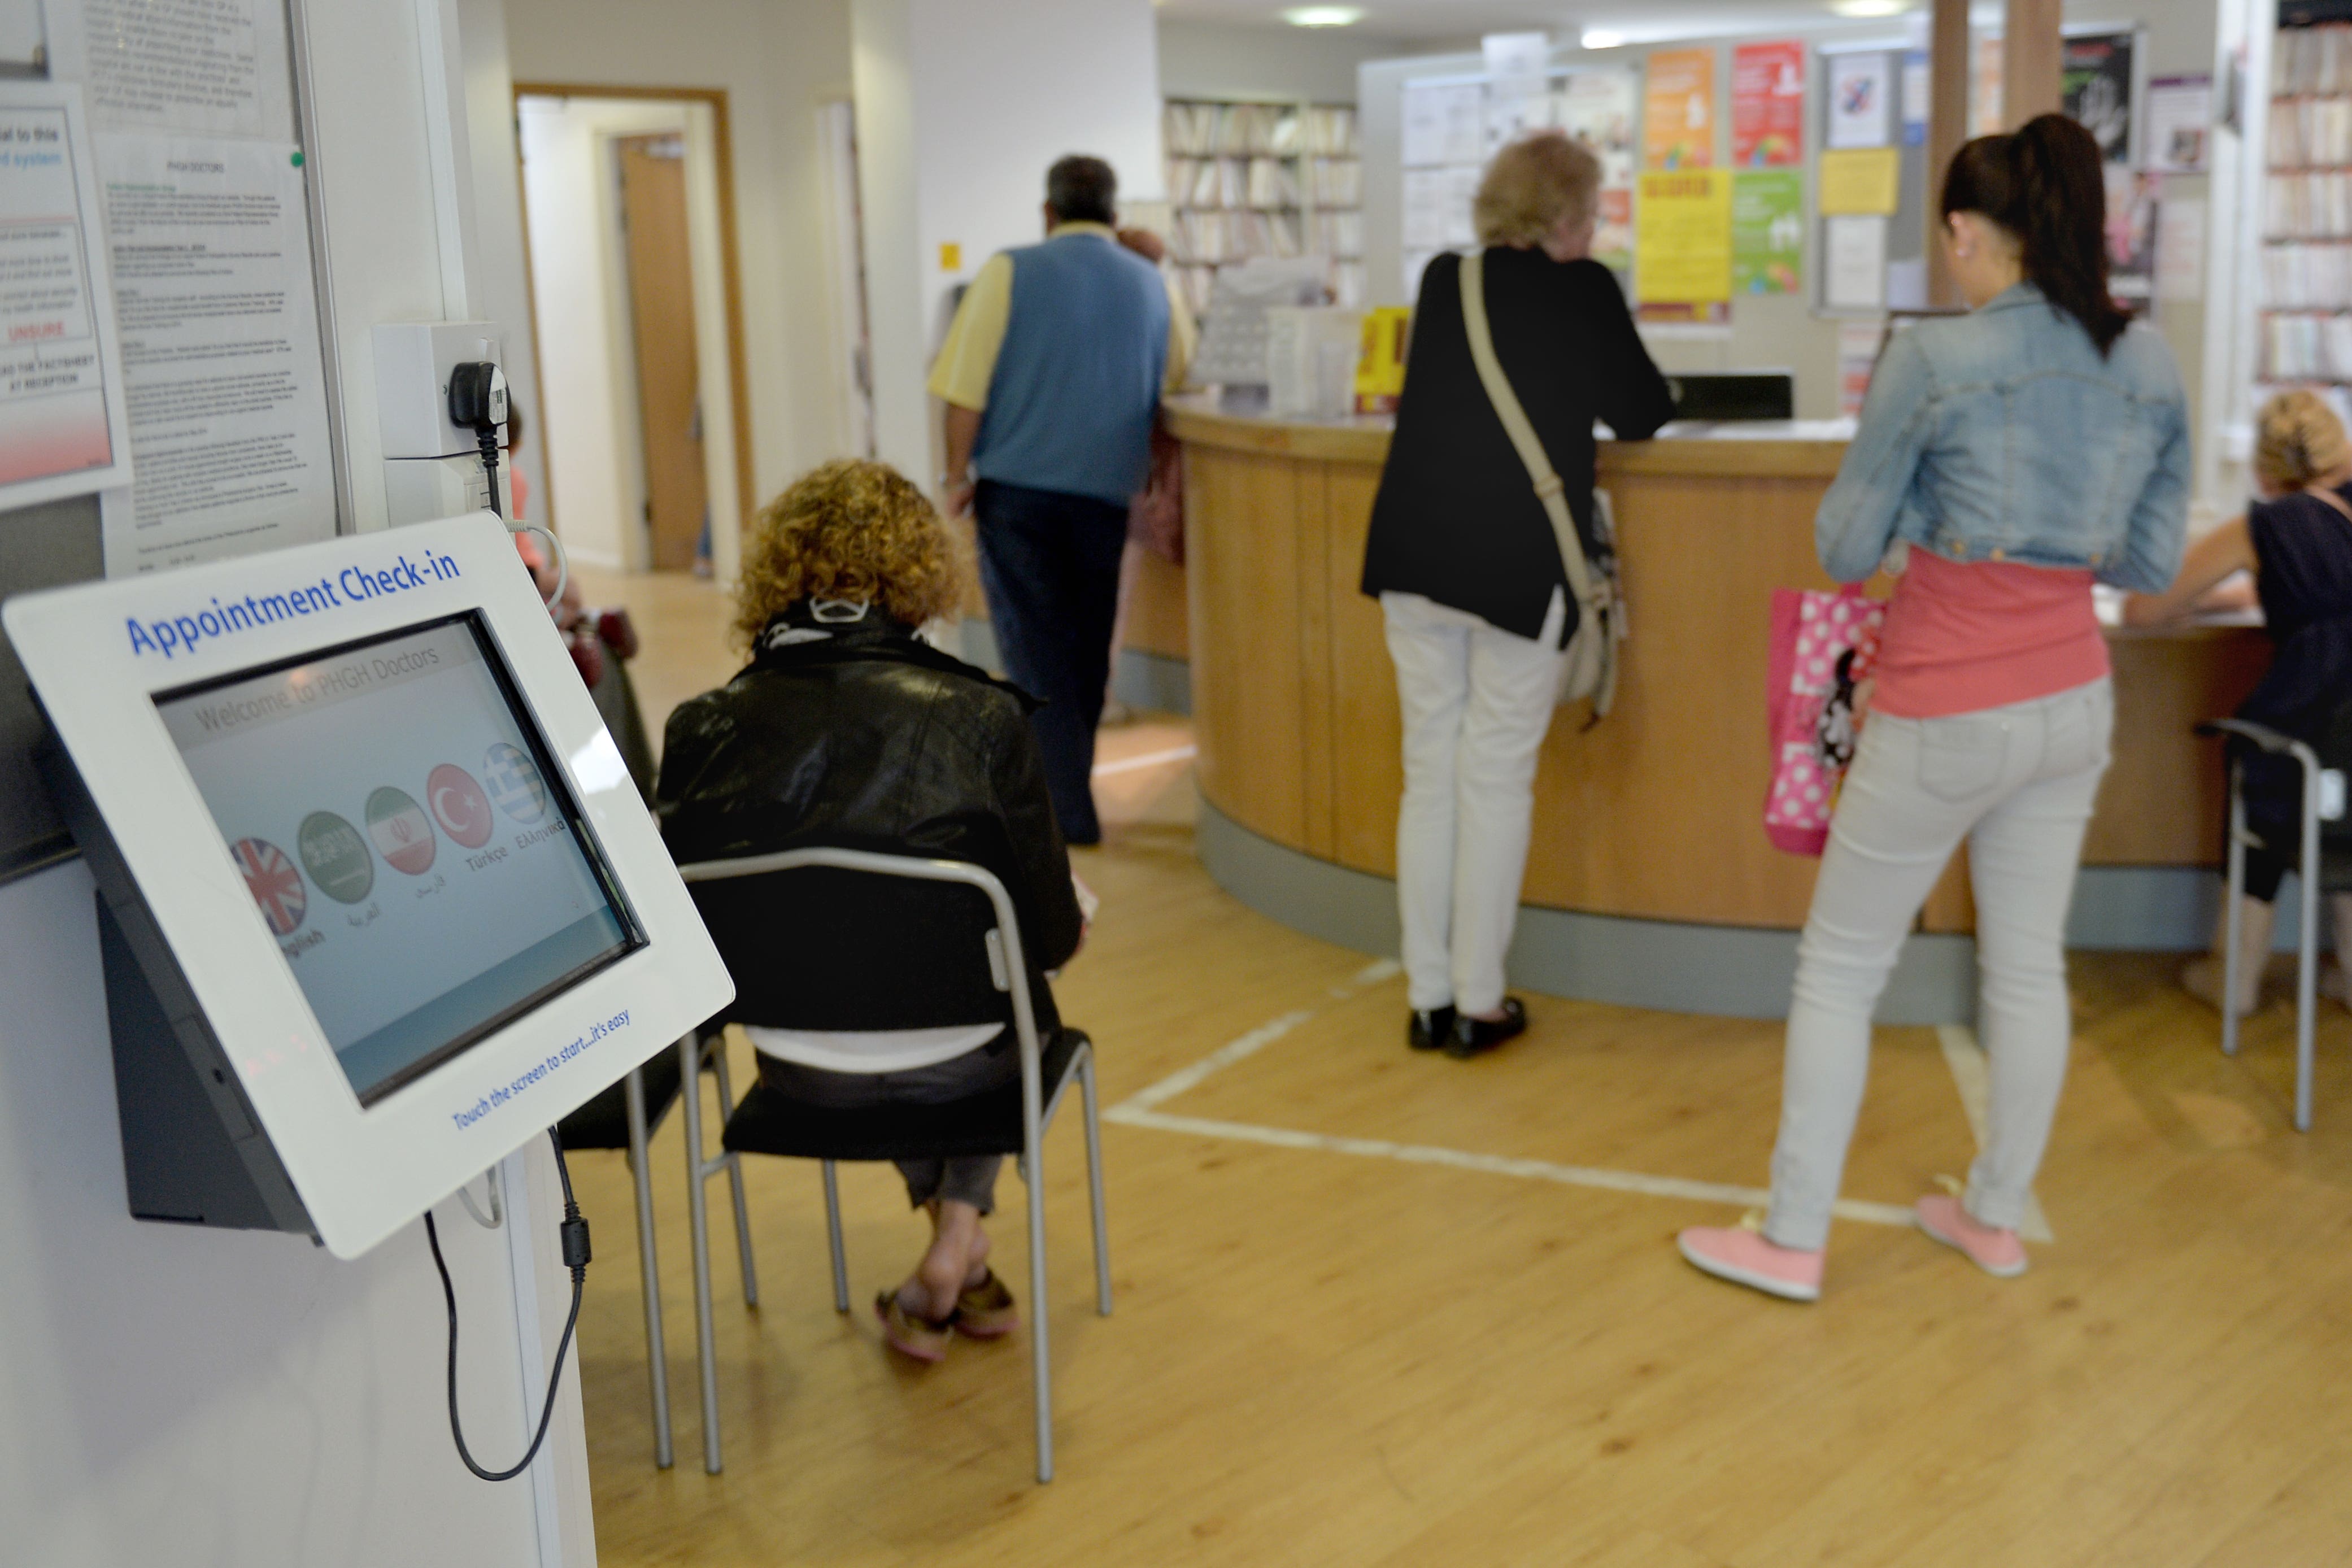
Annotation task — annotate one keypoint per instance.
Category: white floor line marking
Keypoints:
(1133, 1115)
(1965, 1055)
(1148, 759)
(1256, 1040)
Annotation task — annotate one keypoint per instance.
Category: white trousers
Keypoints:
(1477, 702)
(2018, 782)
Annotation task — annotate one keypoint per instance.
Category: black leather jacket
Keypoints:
(863, 736)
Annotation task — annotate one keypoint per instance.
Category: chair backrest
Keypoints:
(853, 939)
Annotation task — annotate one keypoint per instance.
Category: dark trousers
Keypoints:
(1049, 565)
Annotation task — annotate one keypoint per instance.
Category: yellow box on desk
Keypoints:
(1380, 373)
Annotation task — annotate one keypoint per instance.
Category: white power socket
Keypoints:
(412, 360)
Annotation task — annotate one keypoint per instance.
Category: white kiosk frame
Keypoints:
(99, 654)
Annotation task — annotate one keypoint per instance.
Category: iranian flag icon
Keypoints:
(403, 835)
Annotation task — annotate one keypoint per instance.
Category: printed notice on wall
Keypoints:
(63, 429)
(220, 352)
(1682, 248)
(217, 67)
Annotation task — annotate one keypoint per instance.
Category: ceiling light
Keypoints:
(1870, 7)
(1601, 38)
(1324, 15)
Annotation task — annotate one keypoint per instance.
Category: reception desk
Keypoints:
(1650, 880)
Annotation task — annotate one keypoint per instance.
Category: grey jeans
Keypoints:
(2018, 783)
(963, 1179)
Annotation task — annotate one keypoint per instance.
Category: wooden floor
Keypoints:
(1378, 1308)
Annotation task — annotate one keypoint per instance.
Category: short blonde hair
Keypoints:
(850, 530)
(1532, 184)
(2298, 438)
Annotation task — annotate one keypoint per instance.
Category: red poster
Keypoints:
(1768, 106)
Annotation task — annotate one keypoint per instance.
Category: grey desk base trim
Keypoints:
(1734, 972)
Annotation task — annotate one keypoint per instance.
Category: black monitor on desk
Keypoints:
(1734, 394)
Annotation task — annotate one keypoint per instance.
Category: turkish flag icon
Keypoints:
(458, 804)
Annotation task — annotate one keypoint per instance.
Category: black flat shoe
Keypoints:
(1477, 1036)
(1429, 1031)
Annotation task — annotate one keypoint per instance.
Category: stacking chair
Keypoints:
(2324, 860)
(1012, 1121)
(626, 1116)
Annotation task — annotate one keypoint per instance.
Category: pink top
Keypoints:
(1984, 635)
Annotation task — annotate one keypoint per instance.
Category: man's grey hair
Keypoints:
(1082, 190)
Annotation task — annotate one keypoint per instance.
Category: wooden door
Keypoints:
(661, 313)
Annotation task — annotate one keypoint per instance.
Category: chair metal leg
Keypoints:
(689, 1049)
(2306, 974)
(1095, 1184)
(648, 1266)
(735, 1181)
(1041, 1363)
(833, 1235)
(2233, 912)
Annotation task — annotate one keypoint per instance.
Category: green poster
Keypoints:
(1768, 232)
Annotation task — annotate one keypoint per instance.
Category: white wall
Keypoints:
(175, 1394)
(776, 61)
(959, 113)
(1210, 59)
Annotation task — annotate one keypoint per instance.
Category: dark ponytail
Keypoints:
(2044, 183)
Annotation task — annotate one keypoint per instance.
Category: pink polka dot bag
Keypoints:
(1824, 647)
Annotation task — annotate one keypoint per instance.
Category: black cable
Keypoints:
(575, 1232)
(490, 440)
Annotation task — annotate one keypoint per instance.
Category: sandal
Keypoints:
(985, 1310)
(909, 1335)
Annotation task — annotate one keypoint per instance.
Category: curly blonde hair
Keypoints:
(2298, 438)
(849, 530)
(1532, 184)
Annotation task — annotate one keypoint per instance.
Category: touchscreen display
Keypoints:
(393, 812)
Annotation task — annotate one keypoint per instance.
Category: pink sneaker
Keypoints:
(1741, 1254)
(1997, 1252)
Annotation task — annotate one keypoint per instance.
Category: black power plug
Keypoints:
(477, 402)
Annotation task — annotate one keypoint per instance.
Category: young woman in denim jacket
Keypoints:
(2005, 461)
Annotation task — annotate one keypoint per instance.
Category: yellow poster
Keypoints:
(1860, 181)
(1682, 238)
(1678, 111)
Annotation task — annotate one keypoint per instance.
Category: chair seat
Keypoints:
(603, 1122)
(769, 1122)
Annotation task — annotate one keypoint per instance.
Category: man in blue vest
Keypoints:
(1051, 374)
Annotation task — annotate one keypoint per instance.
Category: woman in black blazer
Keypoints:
(1464, 561)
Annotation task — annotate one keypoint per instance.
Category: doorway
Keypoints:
(661, 321)
(634, 296)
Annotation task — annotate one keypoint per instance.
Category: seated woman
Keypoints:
(2297, 543)
(847, 730)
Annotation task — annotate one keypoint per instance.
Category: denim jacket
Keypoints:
(2003, 436)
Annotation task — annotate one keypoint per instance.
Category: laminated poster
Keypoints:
(63, 427)
(1859, 180)
(1860, 87)
(220, 352)
(1855, 263)
(2179, 118)
(1767, 231)
(1678, 109)
(213, 67)
(1682, 250)
(1768, 106)
(2095, 86)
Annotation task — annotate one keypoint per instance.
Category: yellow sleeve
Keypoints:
(967, 360)
(1184, 336)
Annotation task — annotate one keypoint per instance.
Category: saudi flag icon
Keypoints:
(403, 835)
(336, 856)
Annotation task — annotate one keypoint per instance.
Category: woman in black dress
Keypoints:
(1464, 561)
(2297, 542)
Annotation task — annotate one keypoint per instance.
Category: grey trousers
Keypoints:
(969, 1179)
(2016, 783)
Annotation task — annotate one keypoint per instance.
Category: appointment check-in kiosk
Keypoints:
(378, 900)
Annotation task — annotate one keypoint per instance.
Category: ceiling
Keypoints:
(1421, 22)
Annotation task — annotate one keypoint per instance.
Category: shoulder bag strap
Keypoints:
(1548, 485)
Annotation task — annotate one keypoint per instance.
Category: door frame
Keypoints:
(730, 271)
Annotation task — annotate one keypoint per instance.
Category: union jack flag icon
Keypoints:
(274, 883)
